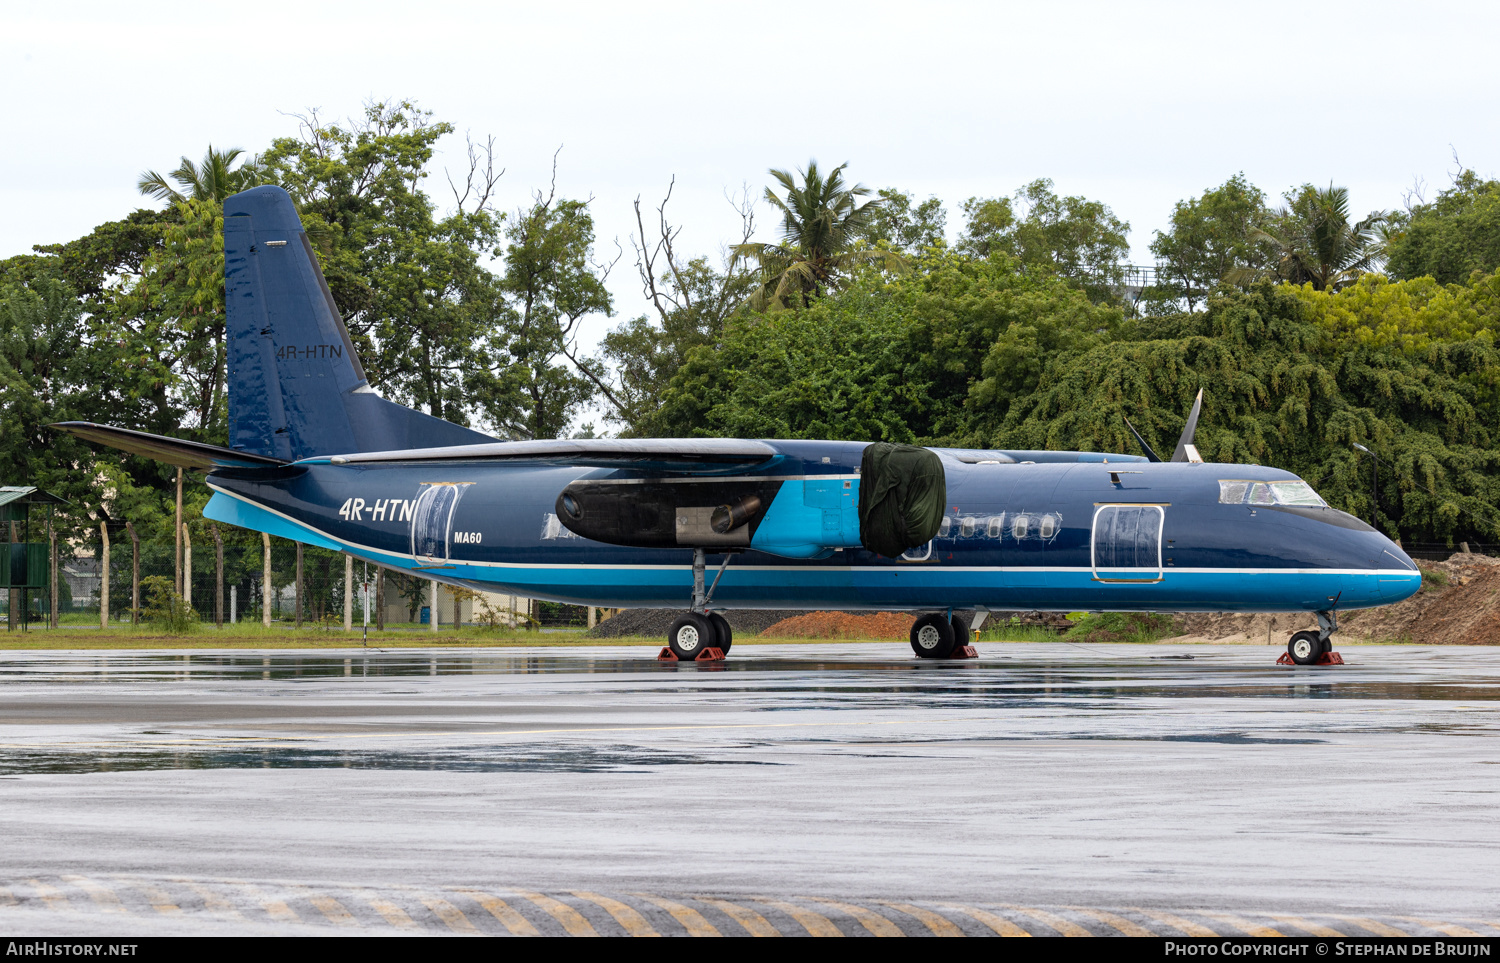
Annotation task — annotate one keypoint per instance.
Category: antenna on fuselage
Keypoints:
(1185, 450)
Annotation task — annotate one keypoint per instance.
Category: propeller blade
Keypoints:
(1150, 455)
(1185, 450)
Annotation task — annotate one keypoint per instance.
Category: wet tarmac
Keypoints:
(1048, 789)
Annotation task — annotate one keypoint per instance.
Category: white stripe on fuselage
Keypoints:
(357, 548)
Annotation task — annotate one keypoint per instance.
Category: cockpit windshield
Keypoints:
(1293, 493)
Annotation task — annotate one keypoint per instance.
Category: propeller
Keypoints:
(1185, 450)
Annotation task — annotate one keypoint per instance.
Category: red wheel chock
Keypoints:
(963, 652)
(1327, 658)
(710, 654)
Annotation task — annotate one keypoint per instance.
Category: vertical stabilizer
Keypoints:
(296, 388)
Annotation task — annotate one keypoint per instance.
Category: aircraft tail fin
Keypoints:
(296, 387)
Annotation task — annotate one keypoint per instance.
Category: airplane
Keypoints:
(316, 456)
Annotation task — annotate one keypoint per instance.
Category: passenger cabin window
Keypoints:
(966, 527)
(1020, 526)
(1297, 493)
(996, 526)
(1048, 528)
(946, 527)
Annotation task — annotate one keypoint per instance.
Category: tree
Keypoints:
(904, 225)
(820, 221)
(213, 180)
(553, 283)
(1312, 242)
(1070, 237)
(1452, 237)
(1209, 237)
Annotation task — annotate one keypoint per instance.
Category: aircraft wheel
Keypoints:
(690, 635)
(961, 633)
(1305, 648)
(722, 631)
(932, 637)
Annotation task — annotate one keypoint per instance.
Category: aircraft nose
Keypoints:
(1397, 576)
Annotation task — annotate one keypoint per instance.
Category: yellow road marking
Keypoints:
(1065, 927)
(334, 911)
(999, 924)
(273, 907)
(53, 897)
(1120, 923)
(939, 924)
(572, 921)
(816, 924)
(1312, 929)
(449, 914)
(390, 912)
(99, 893)
(754, 923)
(1242, 924)
(501, 910)
(876, 924)
(635, 924)
(691, 919)
(212, 901)
(1187, 927)
(1449, 929)
(1374, 926)
(158, 897)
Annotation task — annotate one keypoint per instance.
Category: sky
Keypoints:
(1139, 105)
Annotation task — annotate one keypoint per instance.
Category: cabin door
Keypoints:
(1126, 544)
(432, 521)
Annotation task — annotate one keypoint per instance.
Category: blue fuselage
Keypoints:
(1058, 536)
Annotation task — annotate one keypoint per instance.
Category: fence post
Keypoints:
(187, 568)
(177, 542)
(103, 576)
(297, 589)
(348, 593)
(219, 576)
(52, 572)
(380, 600)
(135, 574)
(265, 582)
(433, 607)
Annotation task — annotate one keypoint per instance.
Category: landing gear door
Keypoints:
(1126, 544)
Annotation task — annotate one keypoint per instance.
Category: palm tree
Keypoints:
(820, 221)
(1313, 242)
(213, 180)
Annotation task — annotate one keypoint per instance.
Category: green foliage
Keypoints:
(213, 180)
(1209, 237)
(1137, 627)
(904, 225)
(820, 221)
(1312, 242)
(164, 609)
(1452, 237)
(1070, 237)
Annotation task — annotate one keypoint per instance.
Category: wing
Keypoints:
(683, 455)
(193, 455)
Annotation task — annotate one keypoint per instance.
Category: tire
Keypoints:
(690, 635)
(1305, 648)
(722, 631)
(932, 637)
(961, 634)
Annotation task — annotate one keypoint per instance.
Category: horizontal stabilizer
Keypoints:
(193, 455)
(688, 455)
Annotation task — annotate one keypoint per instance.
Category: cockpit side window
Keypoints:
(1295, 493)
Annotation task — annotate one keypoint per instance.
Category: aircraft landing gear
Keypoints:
(935, 636)
(1314, 648)
(699, 635)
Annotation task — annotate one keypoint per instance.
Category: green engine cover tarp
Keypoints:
(902, 495)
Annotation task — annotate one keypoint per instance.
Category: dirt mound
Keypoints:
(1464, 611)
(843, 625)
(654, 623)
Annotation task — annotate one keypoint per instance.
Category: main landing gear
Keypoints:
(939, 636)
(699, 635)
(1314, 648)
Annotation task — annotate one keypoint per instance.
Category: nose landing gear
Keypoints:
(936, 636)
(1314, 648)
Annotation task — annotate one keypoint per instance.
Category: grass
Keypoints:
(1433, 578)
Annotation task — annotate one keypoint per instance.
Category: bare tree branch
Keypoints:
(486, 181)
